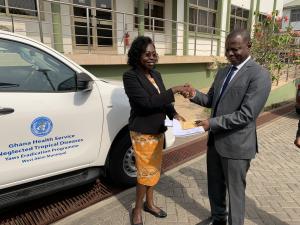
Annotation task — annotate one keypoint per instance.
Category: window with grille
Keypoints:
(202, 15)
(295, 15)
(238, 18)
(101, 23)
(155, 9)
(19, 7)
(262, 17)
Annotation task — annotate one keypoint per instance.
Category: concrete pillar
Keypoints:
(174, 27)
(141, 19)
(257, 11)
(220, 13)
(186, 28)
(57, 27)
(274, 5)
(180, 27)
(228, 15)
(274, 10)
(251, 16)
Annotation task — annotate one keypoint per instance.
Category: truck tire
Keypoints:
(122, 170)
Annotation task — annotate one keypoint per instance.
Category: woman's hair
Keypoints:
(138, 47)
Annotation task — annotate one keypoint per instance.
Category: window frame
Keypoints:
(49, 55)
(94, 28)
(151, 4)
(262, 17)
(7, 13)
(295, 13)
(236, 18)
(208, 11)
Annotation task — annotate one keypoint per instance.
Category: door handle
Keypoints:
(4, 111)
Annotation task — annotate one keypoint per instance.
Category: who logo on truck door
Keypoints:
(41, 126)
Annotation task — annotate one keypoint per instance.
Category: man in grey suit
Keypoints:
(236, 97)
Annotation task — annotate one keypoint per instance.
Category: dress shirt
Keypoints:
(236, 71)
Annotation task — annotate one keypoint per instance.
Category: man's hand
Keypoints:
(297, 142)
(179, 117)
(203, 123)
(188, 91)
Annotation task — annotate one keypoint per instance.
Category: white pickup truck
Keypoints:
(60, 126)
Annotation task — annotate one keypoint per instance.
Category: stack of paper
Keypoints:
(188, 129)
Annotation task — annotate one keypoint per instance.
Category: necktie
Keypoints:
(226, 82)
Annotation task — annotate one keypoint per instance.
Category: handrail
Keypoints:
(86, 33)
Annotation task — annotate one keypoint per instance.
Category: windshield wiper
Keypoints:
(8, 85)
(45, 72)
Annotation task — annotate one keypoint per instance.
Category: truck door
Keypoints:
(47, 127)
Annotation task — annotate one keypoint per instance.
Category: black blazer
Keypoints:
(148, 107)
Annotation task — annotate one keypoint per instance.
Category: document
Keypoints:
(187, 124)
(179, 131)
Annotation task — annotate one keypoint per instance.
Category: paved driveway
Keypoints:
(273, 188)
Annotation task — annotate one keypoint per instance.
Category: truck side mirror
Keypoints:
(84, 82)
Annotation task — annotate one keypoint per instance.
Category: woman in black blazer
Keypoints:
(150, 103)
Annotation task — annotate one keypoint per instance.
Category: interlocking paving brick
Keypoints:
(272, 196)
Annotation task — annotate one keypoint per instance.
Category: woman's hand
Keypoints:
(186, 90)
(178, 117)
(189, 92)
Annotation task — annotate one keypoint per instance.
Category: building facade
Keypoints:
(106, 27)
(189, 34)
(291, 9)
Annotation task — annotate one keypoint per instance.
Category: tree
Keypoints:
(271, 45)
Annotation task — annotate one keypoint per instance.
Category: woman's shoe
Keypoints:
(141, 223)
(160, 214)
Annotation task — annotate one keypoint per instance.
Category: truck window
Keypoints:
(24, 68)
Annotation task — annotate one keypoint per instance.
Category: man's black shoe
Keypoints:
(217, 222)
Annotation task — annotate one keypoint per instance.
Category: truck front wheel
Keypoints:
(122, 168)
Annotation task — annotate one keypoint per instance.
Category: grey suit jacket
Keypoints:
(234, 127)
